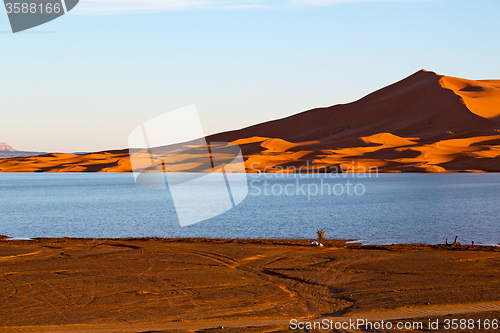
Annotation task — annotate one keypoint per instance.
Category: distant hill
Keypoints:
(5, 147)
(7, 151)
(423, 123)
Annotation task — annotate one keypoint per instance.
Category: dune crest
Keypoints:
(480, 97)
(390, 140)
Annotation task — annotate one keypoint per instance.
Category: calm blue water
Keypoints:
(390, 208)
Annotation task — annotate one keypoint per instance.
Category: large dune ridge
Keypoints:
(423, 123)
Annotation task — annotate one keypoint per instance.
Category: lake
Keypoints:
(374, 209)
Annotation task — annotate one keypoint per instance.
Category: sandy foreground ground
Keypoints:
(205, 285)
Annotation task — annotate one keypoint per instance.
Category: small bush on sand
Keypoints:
(321, 233)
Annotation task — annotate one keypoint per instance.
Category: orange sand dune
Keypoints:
(447, 150)
(480, 97)
(423, 123)
(426, 123)
(389, 140)
(96, 162)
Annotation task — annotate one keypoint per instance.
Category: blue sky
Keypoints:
(83, 82)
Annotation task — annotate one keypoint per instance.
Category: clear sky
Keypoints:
(83, 82)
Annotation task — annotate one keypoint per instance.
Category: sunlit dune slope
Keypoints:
(423, 123)
(109, 161)
(480, 97)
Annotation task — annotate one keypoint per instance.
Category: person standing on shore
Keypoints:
(456, 243)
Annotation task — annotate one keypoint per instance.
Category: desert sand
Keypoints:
(200, 285)
(423, 123)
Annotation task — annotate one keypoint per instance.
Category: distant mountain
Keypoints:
(5, 147)
(423, 123)
(7, 151)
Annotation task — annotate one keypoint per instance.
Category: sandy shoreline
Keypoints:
(154, 284)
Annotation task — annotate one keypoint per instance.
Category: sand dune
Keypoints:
(96, 162)
(426, 123)
(480, 97)
(423, 123)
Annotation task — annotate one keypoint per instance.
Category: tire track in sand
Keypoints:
(397, 314)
